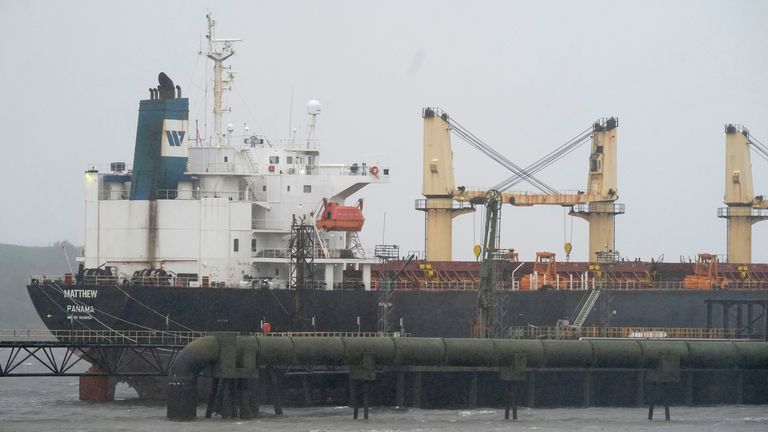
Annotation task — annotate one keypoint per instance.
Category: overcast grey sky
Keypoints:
(524, 76)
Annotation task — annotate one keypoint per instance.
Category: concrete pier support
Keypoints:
(587, 390)
(255, 392)
(400, 390)
(324, 393)
(306, 384)
(212, 398)
(97, 388)
(248, 398)
(353, 392)
(472, 391)
(659, 395)
(531, 390)
(689, 388)
(277, 392)
(417, 390)
(353, 398)
(510, 400)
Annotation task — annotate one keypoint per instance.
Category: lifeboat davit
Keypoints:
(335, 217)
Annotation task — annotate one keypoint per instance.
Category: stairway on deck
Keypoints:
(589, 304)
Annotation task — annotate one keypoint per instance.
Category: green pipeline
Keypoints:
(586, 353)
(234, 356)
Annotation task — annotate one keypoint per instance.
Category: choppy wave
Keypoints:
(51, 404)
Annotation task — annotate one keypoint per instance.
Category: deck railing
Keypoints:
(320, 254)
(466, 285)
(138, 337)
(195, 194)
(153, 337)
(534, 332)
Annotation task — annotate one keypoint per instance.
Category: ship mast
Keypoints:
(218, 51)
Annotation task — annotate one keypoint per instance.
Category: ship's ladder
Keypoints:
(589, 304)
(251, 161)
(355, 245)
(323, 250)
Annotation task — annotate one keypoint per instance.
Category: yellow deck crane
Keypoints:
(743, 208)
(443, 200)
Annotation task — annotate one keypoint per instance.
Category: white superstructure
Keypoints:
(228, 223)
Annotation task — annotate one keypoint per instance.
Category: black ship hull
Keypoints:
(422, 313)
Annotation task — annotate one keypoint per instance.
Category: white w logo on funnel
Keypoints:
(175, 138)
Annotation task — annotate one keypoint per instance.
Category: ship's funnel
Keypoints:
(160, 156)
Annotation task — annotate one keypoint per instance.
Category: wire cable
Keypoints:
(760, 148)
(151, 309)
(549, 159)
(496, 156)
(479, 144)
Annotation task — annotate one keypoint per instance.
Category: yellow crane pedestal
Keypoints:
(740, 221)
(438, 216)
(438, 187)
(601, 217)
(744, 209)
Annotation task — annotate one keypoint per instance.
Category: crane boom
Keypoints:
(529, 199)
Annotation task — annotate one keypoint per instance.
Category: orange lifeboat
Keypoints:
(335, 217)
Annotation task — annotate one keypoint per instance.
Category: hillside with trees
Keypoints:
(17, 263)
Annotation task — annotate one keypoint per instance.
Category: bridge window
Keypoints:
(236, 245)
(274, 159)
(307, 188)
(289, 159)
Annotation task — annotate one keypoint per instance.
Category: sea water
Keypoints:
(51, 404)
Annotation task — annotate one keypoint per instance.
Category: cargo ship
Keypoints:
(237, 230)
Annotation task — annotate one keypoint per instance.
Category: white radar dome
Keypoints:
(313, 107)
